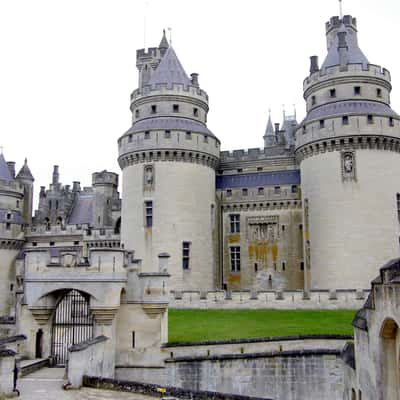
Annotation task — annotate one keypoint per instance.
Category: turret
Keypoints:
(168, 158)
(350, 167)
(26, 179)
(269, 137)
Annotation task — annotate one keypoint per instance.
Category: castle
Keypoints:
(317, 208)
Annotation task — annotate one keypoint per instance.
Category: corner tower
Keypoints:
(348, 147)
(168, 159)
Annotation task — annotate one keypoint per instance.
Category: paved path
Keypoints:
(46, 384)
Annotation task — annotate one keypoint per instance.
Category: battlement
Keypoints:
(13, 186)
(85, 230)
(165, 90)
(253, 154)
(105, 178)
(335, 22)
(150, 53)
(371, 70)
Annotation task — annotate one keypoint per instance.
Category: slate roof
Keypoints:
(82, 212)
(349, 107)
(4, 171)
(169, 123)
(259, 179)
(164, 42)
(25, 172)
(269, 131)
(170, 71)
(354, 53)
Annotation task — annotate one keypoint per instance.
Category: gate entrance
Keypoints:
(72, 324)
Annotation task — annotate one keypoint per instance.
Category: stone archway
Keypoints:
(390, 338)
(72, 323)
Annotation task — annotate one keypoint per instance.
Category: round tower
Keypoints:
(168, 159)
(348, 147)
(11, 232)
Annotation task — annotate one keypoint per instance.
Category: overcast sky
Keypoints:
(67, 69)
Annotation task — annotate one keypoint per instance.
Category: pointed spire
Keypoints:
(25, 172)
(170, 71)
(164, 42)
(270, 127)
(4, 170)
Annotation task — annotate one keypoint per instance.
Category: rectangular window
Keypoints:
(8, 226)
(398, 205)
(129, 138)
(167, 134)
(185, 255)
(235, 223)
(147, 134)
(294, 188)
(283, 266)
(137, 113)
(259, 168)
(175, 108)
(245, 192)
(205, 139)
(239, 170)
(195, 112)
(228, 192)
(313, 100)
(370, 119)
(277, 190)
(378, 92)
(345, 120)
(153, 109)
(321, 124)
(148, 211)
(188, 135)
(391, 121)
(357, 90)
(261, 191)
(133, 340)
(332, 92)
(235, 258)
(302, 265)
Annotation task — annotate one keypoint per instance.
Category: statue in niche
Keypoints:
(348, 163)
(270, 232)
(148, 176)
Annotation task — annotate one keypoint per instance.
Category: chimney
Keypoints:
(342, 49)
(11, 168)
(195, 79)
(76, 187)
(42, 191)
(314, 64)
(276, 127)
(56, 175)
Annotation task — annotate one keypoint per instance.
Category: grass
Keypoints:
(199, 325)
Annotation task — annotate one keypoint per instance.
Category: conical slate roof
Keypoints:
(170, 71)
(270, 129)
(25, 172)
(164, 42)
(4, 171)
(354, 53)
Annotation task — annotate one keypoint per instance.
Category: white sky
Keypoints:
(68, 67)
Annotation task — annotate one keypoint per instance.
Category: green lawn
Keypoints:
(199, 325)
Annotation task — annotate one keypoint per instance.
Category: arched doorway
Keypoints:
(72, 324)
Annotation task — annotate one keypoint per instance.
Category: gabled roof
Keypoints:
(170, 71)
(4, 171)
(25, 172)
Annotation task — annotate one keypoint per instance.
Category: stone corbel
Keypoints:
(105, 315)
(41, 314)
(154, 309)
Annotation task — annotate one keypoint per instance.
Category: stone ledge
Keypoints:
(258, 340)
(269, 354)
(156, 390)
(87, 343)
(7, 353)
(12, 339)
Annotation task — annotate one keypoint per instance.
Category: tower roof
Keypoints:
(269, 131)
(170, 71)
(354, 54)
(25, 172)
(164, 42)
(4, 170)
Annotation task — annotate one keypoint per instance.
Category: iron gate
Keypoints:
(72, 324)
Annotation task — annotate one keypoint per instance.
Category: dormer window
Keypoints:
(153, 109)
(357, 90)
(332, 93)
(195, 111)
(175, 107)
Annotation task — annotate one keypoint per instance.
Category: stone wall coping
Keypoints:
(87, 343)
(144, 274)
(12, 339)
(269, 354)
(7, 352)
(6, 319)
(260, 340)
(157, 390)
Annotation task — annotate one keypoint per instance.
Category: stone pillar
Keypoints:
(7, 360)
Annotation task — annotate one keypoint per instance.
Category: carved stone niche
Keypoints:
(148, 177)
(263, 228)
(348, 165)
